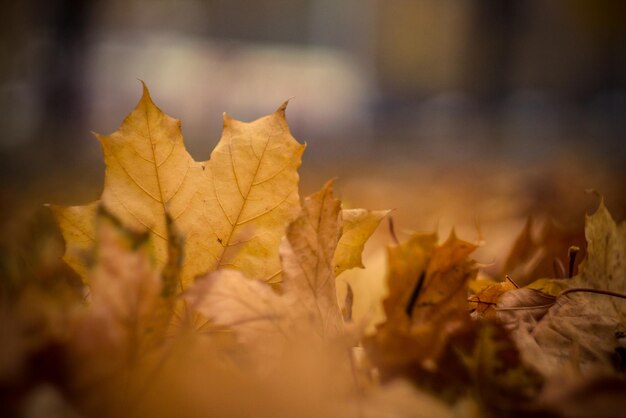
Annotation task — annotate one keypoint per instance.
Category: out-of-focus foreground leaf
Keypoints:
(308, 303)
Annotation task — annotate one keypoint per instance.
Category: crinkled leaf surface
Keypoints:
(585, 325)
(231, 210)
(605, 265)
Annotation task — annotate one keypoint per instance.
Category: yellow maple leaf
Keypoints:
(231, 210)
(358, 226)
(485, 299)
(308, 304)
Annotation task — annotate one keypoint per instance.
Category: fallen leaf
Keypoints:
(307, 253)
(308, 303)
(485, 300)
(604, 266)
(358, 227)
(124, 321)
(539, 255)
(523, 306)
(427, 303)
(78, 228)
(552, 287)
(125, 287)
(406, 267)
(502, 382)
(260, 317)
(231, 210)
(590, 323)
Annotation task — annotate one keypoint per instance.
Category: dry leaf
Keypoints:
(308, 303)
(484, 301)
(407, 263)
(358, 227)
(552, 287)
(307, 253)
(502, 381)
(427, 303)
(78, 228)
(604, 266)
(125, 320)
(536, 256)
(125, 286)
(591, 324)
(231, 210)
(523, 307)
(260, 317)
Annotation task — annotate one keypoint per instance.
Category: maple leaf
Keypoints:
(486, 298)
(78, 228)
(502, 382)
(260, 317)
(358, 227)
(307, 253)
(542, 256)
(603, 268)
(427, 303)
(308, 302)
(523, 306)
(581, 321)
(231, 210)
(127, 314)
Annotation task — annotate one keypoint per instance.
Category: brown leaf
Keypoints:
(590, 324)
(504, 383)
(523, 306)
(534, 256)
(421, 319)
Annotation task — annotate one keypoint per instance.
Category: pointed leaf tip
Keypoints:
(283, 107)
(149, 173)
(226, 119)
(330, 183)
(144, 87)
(600, 196)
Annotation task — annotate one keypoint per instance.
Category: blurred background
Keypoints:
(471, 113)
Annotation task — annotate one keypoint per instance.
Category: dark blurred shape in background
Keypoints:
(445, 83)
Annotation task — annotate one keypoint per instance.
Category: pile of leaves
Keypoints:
(210, 289)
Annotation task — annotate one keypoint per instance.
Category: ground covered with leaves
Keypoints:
(210, 289)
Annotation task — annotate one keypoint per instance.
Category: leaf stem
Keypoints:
(590, 290)
(392, 231)
(571, 254)
(512, 281)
